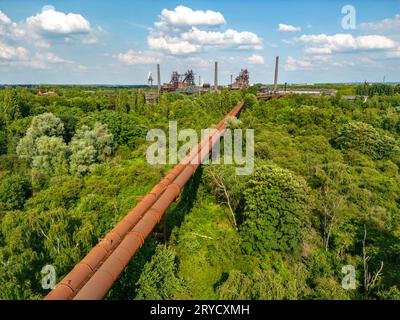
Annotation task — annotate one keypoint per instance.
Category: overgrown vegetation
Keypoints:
(325, 193)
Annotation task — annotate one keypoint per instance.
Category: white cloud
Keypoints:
(43, 28)
(19, 57)
(9, 29)
(316, 50)
(174, 45)
(293, 64)
(198, 62)
(394, 53)
(321, 58)
(81, 67)
(4, 19)
(9, 52)
(137, 57)
(287, 28)
(58, 23)
(184, 16)
(385, 24)
(50, 58)
(178, 32)
(323, 63)
(228, 38)
(29, 63)
(255, 59)
(324, 44)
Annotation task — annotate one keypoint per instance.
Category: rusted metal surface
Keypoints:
(241, 81)
(95, 274)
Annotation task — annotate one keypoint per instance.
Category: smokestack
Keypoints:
(216, 77)
(199, 85)
(276, 75)
(158, 77)
(231, 78)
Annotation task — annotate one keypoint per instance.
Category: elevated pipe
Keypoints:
(73, 281)
(93, 260)
(103, 279)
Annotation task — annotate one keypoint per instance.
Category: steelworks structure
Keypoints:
(95, 274)
(180, 81)
(241, 81)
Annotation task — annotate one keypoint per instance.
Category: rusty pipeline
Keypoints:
(94, 275)
(103, 279)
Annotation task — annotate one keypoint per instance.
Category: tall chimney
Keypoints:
(199, 85)
(216, 77)
(158, 77)
(276, 75)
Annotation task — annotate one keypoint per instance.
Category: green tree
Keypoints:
(127, 129)
(42, 125)
(366, 139)
(10, 109)
(140, 100)
(14, 190)
(327, 288)
(260, 285)
(227, 187)
(51, 156)
(333, 180)
(3, 142)
(90, 146)
(274, 216)
(158, 280)
(250, 100)
(122, 104)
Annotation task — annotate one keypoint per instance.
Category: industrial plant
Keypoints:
(185, 83)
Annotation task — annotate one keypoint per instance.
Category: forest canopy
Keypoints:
(324, 193)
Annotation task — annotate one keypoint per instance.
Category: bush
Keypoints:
(158, 280)
(261, 285)
(250, 100)
(366, 139)
(51, 156)
(43, 125)
(274, 216)
(89, 147)
(14, 190)
(3, 142)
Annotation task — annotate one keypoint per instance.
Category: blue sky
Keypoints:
(119, 42)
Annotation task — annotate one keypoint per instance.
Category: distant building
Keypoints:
(317, 92)
(47, 94)
(352, 98)
(264, 90)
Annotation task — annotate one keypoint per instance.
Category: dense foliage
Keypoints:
(325, 193)
(275, 213)
(377, 89)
